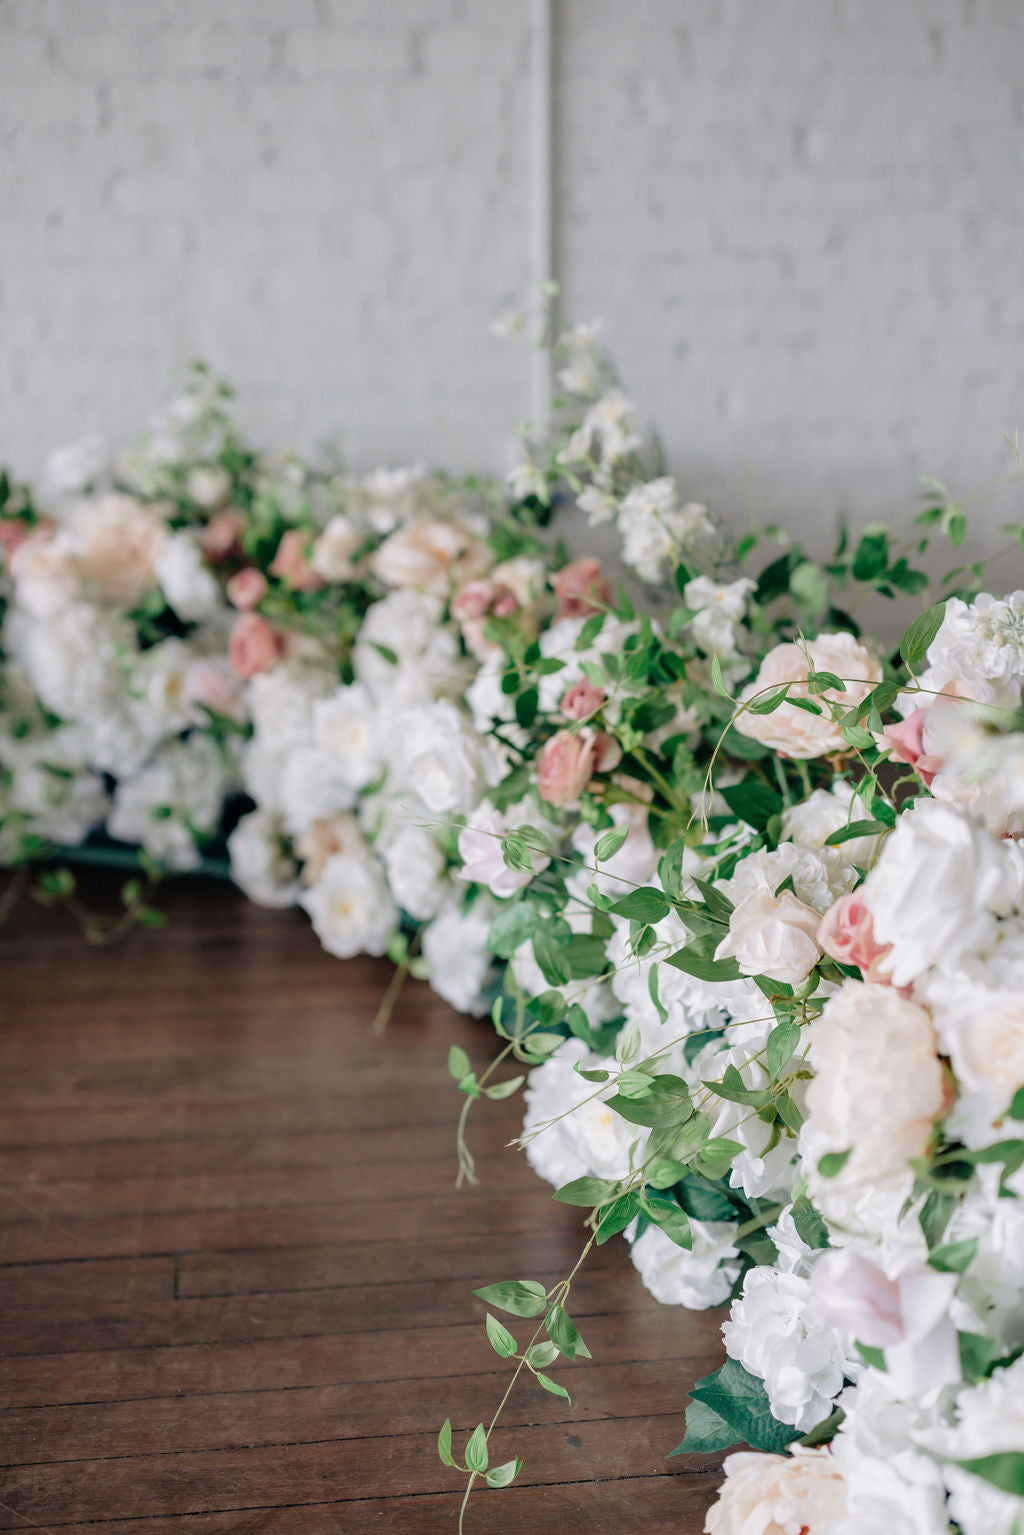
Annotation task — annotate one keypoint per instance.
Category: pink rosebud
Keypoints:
(255, 646)
(581, 589)
(247, 588)
(472, 600)
(582, 700)
(906, 744)
(505, 604)
(222, 536)
(14, 533)
(291, 563)
(847, 934)
(566, 767)
(607, 752)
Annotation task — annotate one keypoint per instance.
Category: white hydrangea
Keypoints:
(443, 759)
(989, 1419)
(571, 1132)
(893, 1487)
(775, 1332)
(810, 823)
(408, 626)
(719, 612)
(174, 799)
(818, 880)
(699, 1278)
(766, 1163)
(978, 652)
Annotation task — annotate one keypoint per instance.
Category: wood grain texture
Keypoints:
(235, 1274)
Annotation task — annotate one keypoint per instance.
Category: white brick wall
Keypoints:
(802, 222)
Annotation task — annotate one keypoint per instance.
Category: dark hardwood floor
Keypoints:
(235, 1274)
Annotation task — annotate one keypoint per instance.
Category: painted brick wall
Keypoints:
(802, 222)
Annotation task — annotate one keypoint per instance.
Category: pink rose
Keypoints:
(212, 684)
(906, 744)
(909, 1316)
(505, 603)
(568, 762)
(291, 563)
(582, 700)
(222, 537)
(847, 934)
(14, 533)
(247, 589)
(255, 646)
(472, 600)
(581, 589)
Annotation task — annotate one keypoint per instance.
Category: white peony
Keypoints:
(699, 1278)
(775, 1331)
(798, 1494)
(350, 907)
(187, 585)
(74, 468)
(989, 1419)
(978, 652)
(893, 1486)
(261, 864)
(934, 893)
(878, 1085)
(795, 732)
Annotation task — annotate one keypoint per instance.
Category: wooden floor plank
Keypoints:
(235, 1274)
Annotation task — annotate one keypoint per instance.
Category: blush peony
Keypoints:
(793, 731)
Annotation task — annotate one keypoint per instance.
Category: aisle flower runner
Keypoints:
(741, 890)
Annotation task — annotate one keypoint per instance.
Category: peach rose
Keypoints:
(327, 837)
(247, 589)
(791, 731)
(222, 535)
(581, 588)
(430, 556)
(582, 700)
(115, 545)
(255, 646)
(847, 935)
(291, 563)
(568, 762)
(778, 1494)
(333, 550)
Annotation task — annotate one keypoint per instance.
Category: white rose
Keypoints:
(699, 1278)
(415, 867)
(351, 908)
(773, 935)
(573, 1133)
(932, 894)
(878, 1085)
(801, 1493)
(793, 731)
(443, 758)
(261, 865)
(333, 550)
(186, 583)
(209, 485)
(455, 948)
(810, 823)
(409, 625)
(345, 727)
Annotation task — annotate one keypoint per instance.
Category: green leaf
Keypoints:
(872, 1356)
(501, 1340)
(608, 845)
(549, 952)
(646, 905)
(504, 1089)
(444, 1443)
(833, 1162)
(716, 1155)
(782, 1041)
(810, 1227)
(717, 680)
(1004, 1470)
(855, 829)
(563, 1334)
(823, 682)
(670, 870)
(616, 1217)
(693, 961)
(977, 1354)
(1016, 1110)
(740, 1400)
(520, 1297)
(955, 1257)
(526, 707)
(918, 636)
(476, 1449)
(670, 1218)
(771, 701)
(588, 1192)
(706, 1432)
(753, 801)
(502, 1475)
(823, 1432)
(542, 1354)
(459, 1064)
(551, 1385)
(584, 955)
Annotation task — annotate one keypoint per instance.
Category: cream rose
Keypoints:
(778, 1494)
(773, 935)
(115, 545)
(878, 1085)
(333, 550)
(793, 731)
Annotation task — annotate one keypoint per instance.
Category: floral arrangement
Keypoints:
(742, 891)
